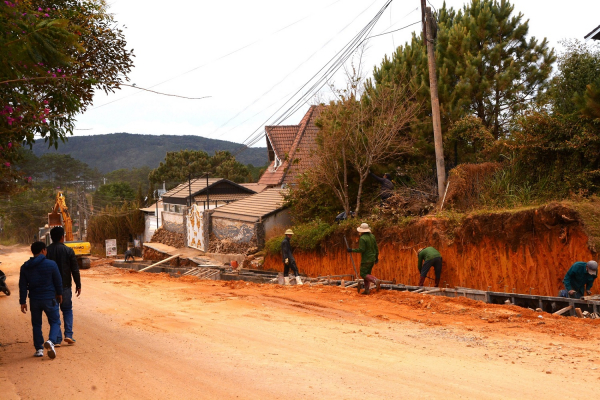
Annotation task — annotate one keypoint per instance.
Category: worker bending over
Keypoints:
(367, 247)
(288, 259)
(429, 257)
(579, 279)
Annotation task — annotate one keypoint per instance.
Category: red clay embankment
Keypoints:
(500, 251)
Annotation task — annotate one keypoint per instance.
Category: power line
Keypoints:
(291, 72)
(319, 81)
(223, 56)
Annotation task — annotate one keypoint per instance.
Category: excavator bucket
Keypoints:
(54, 219)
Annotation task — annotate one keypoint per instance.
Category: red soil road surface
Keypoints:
(150, 336)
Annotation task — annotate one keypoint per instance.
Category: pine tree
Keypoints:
(487, 66)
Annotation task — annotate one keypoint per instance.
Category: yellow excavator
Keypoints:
(60, 217)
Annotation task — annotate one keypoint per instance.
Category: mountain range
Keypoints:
(126, 150)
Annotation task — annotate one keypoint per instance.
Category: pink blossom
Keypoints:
(9, 145)
(45, 101)
(29, 179)
(7, 164)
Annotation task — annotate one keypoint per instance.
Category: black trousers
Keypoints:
(436, 263)
(286, 269)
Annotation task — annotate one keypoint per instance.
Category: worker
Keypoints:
(367, 247)
(429, 257)
(386, 189)
(288, 259)
(69, 270)
(41, 278)
(580, 278)
(129, 254)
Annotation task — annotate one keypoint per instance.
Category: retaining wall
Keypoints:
(528, 251)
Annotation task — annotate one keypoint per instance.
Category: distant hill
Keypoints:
(126, 150)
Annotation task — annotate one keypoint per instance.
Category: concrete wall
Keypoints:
(236, 231)
(173, 222)
(150, 227)
(277, 223)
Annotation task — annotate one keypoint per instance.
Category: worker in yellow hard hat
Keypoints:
(288, 259)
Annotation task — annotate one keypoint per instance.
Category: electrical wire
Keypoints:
(332, 66)
(223, 56)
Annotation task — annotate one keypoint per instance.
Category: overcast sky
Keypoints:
(250, 56)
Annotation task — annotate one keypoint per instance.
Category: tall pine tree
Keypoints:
(487, 66)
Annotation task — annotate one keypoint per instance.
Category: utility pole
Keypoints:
(428, 37)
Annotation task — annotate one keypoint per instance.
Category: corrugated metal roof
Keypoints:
(221, 197)
(257, 187)
(254, 207)
(152, 208)
(196, 185)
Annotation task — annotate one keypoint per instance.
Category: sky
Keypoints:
(250, 57)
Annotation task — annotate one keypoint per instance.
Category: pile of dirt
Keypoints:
(465, 183)
(169, 238)
(154, 255)
(226, 246)
(407, 202)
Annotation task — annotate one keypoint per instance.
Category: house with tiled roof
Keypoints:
(290, 148)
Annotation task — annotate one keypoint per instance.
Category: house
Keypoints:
(152, 219)
(251, 221)
(203, 194)
(593, 35)
(290, 148)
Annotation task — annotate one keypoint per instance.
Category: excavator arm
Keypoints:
(60, 216)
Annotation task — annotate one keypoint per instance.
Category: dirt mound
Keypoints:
(169, 238)
(528, 251)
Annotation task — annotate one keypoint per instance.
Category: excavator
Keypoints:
(60, 217)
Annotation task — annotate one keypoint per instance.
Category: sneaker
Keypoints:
(70, 340)
(39, 353)
(50, 347)
(56, 344)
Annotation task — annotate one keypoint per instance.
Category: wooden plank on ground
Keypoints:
(160, 262)
(578, 312)
(563, 310)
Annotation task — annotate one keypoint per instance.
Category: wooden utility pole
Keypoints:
(428, 36)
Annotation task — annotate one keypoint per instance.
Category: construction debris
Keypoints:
(169, 238)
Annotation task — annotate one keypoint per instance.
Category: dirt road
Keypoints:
(151, 336)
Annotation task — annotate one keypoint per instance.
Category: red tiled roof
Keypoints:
(293, 145)
(281, 138)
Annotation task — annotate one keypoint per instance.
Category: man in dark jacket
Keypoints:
(580, 278)
(387, 187)
(367, 247)
(67, 264)
(40, 277)
(288, 259)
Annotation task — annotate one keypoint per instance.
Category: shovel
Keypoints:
(352, 258)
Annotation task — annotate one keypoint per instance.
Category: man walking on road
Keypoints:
(67, 264)
(580, 279)
(429, 257)
(367, 247)
(40, 277)
(288, 259)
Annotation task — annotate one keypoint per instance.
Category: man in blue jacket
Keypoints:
(580, 278)
(41, 278)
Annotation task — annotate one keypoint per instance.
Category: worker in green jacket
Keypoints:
(429, 257)
(367, 247)
(580, 278)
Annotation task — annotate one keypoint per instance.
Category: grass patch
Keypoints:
(590, 214)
